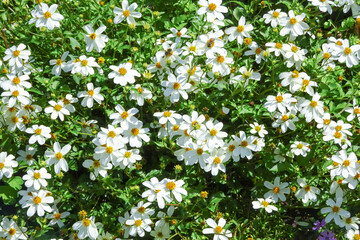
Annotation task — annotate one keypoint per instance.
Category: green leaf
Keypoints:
(16, 182)
(74, 43)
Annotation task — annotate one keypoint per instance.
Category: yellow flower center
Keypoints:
(210, 43)
(170, 185)
(138, 222)
(339, 181)
(258, 51)
(218, 229)
(84, 62)
(38, 131)
(176, 85)
(167, 114)
(307, 188)
(90, 92)
(15, 93)
(346, 163)
(127, 154)
(306, 82)
(122, 71)
(213, 132)
(244, 143)
(135, 131)
(2, 165)
(178, 34)
(313, 104)
(16, 53)
(356, 237)
(176, 127)
(158, 65)
(109, 149)
(295, 74)
(265, 203)
(57, 107)
(58, 155)
(86, 222)
(47, 15)
(66, 101)
(257, 128)
(36, 175)
(293, 21)
(347, 50)
(356, 110)
(326, 55)
(111, 134)
(15, 119)
(339, 43)
(294, 49)
(279, 98)
(57, 216)
(96, 164)
(220, 59)
(141, 209)
(29, 157)
(278, 45)
(247, 41)
(300, 146)
(212, 6)
(199, 151)
(12, 231)
(240, 28)
(16, 80)
(231, 148)
(126, 13)
(338, 128)
(37, 200)
(338, 134)
(276, 14)
(58, 62)
(335, 209)
(217, 160)
(93, 36)
(140, 90)
(276, 190)
(326, 121)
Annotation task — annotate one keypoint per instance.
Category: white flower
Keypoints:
(139, 225)
(240, 32)
(139, 94)
(345, 53)
(123, 74)
(278, 190)
(245, 145)
(178, 34)
(142, 210)
(95, 38)
(354, 111)
(212, 8)
(16, 94)
(57, 110)
(161, 232)
(126, 12)
(136, 134)
(15, 81)
(324, 5)
(157, 191)
(217, 229)
(97, 168)
(123, 220)
(258, 129)
(36, 178)
(125, 118)
(175, 87)
(273, 17)
(16, 55)
(264, 203)
(58, 64)
(335, 211)
(27, 155)
(176, 188)
(313, 109)
(56, 157)
(90, 95)
(56, 216)
(293, 25)
(294, 55)
(246, 75)
(220, 63)
(37, 202)
(47, 17)
(212, 43)
(39, 134)
(300, 148)
(86, 228)
(167, 116)
(353, 234)
(10, 230)
(215, 162)
(346, 164)
(350, 223)
(7, 164)
(306, 192)
(214, 135)
(84, 66)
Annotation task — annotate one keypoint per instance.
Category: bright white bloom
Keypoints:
(125, 118)
(217, 229)
(142, 210)
(212, 43)
(36, 178)
(178, 34)
(95, 38)
(123, 74)
(258, 129)
(57, 110)
(59, 64)
(264, 203)
(346, 164)
(277, 48)
(10, 230)
(335, 211)
(294, 55)
(313, 109)
(7, 164)
(293, 25)
(16, 81)
(176, 188)
(306, 192)
(240, 32)
(126, 12)
(16, 94)
(273, 17)
(37, 202)
(212, 8)
(157, 191)
(324, 5)
(140, 94)
(258, 52)
(90, 95)
(85, 66)
(353, 234)
(300, 148)
(136, 134)
(215, 162)
(246, 75)
(245, 145)
(97, 167)
(108, 152)
(345, 53)
(350, 223)
(138, 225)
(47, 17)
(27, 155)
(40, 133)
(278, 190)
(123, 220)
(167, 116)
(175, 87)
(56, 216)
(56, 157)
(86, 228)
(16, 55)
(214, 135)
(280, 102)
(354, 112)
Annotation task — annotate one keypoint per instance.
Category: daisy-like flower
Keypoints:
(16, 55)
(36, 178)
(136, 134)
(27, 155)
(246, 75)
(217, 229)
(7, 164)
(16, 81)
(138, 225)
(257, 52)
(56, 217)
(178, 34)
(167, 116)
(300, 148)
(277, 48)
(10, 230)
(16, 94)
(324, 5)
(350, 223)
(96, 168)
(90, 95)
(140, 94)
(264, 203)
(157, 191)
(40, 133)
(215, 162)
(176, 86)
(176, 188)
(258, 129)
(161, 232)
(346, 53)
(285, 120)
(212, 43)
(123, 220)
(123, 74)
(273, 17)
(142, 210)
(86, 228)
(213, 9)
(240, 32)
(95, 38)
(125, 118)
(126, 12)
(195, 48)
(306, 192)
(277, 190)
(334, 211)
(344, 165)
(280, 102)
(37, 202)
(59, 64)
(293, 25)
(313, 109)
(214, 135)
(85, 66)
(57, 110)
(220, 64)
(47, 17)
(353, 234)
(294, 55)
(56, 157)
(245, 145)
(354, 111)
